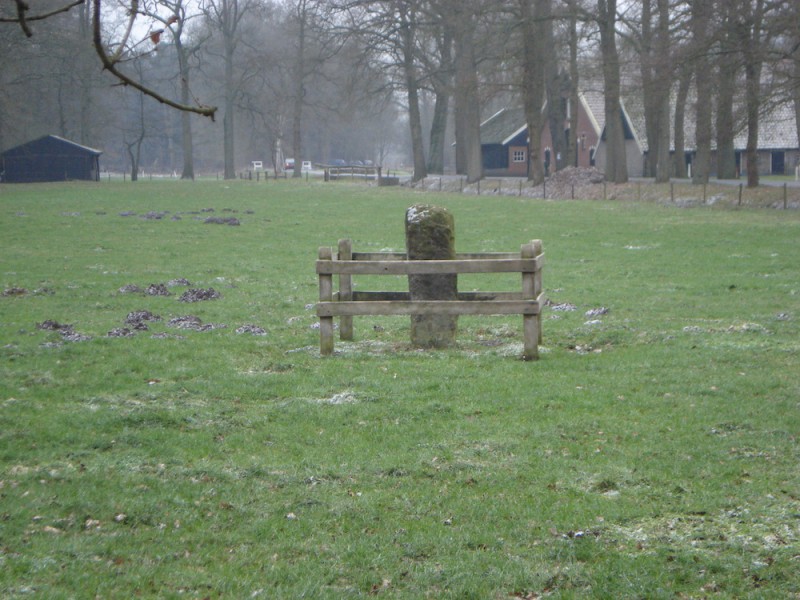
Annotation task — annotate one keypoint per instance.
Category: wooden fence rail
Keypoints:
(347, 303)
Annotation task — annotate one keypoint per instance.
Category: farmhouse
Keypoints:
(505, 144)
(50, 158)
(778, 151)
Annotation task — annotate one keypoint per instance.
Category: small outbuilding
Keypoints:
(50, 158)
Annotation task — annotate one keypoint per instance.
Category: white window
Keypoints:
(518, 156)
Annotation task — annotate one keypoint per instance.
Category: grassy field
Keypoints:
(652, 452)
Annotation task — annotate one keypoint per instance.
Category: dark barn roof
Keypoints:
(50, 158)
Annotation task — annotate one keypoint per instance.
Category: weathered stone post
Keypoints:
(430, 235)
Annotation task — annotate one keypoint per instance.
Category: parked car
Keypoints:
(288, 164)
(337, 162)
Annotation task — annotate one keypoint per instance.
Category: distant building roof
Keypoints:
(50, 158)
(502, 126)
(46, 138)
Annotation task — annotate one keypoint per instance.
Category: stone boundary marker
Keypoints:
(347, 303)
(430, 235)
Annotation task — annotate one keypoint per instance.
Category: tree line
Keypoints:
(316, 79)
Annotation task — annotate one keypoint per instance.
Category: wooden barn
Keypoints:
(50, 158)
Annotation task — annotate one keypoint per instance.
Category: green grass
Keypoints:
(652, 454)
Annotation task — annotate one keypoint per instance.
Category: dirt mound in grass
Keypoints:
(193, 323)
(199, 295)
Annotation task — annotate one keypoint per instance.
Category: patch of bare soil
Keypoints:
(199, 295)
(251, 329)
(130, 288)
(160, 215)
(194, 323)
(121, 332)
(50, 325)
(68, 334)
(222, 221)
(157, 289)
(141, 320)
(137, 318)
(178, 282)
(14, 291)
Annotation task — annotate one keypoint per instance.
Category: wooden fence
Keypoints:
(347, 303)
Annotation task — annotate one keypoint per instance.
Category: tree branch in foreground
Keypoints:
(110, 65)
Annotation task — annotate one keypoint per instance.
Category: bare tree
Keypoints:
(681, 95)
(466, 100)
(573, 43)
(656, 69)
(175, 21)
(753, 40)
(700, 25)
(794, 55)
(616, 161)
(313, 44)
(225, 17)
(439, 66)
(390, 30)
(533, 74)
(557, 89)
(113, 54)
(728, 66)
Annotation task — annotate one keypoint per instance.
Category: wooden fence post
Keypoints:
(345, 290)
(531, 288)
(325, 295)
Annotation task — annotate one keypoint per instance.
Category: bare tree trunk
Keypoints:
(796, 88)
(299, 91)
(752, 72)
(438, 133)
(751, 41)
(533, 84)
(187, 143)
(616, 161)
(647, 58)
(656, 71)
(557, 90)
(227, 119)
(442, 82)
(407, 25)
(700, 23)
(574, 100)
(726, 81)
(468, 117)
(679, 158)
(225, 15)
(85, 75)
(663, 71)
